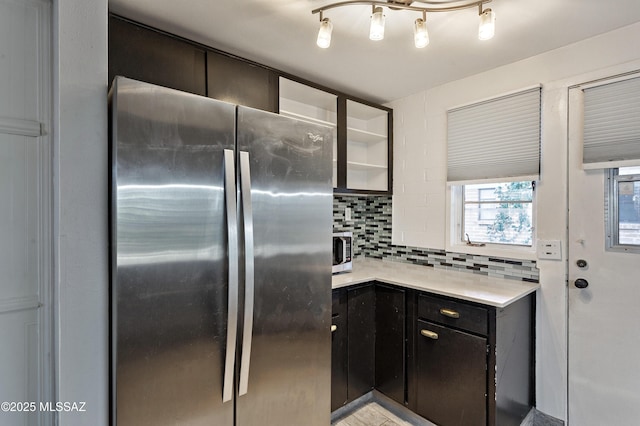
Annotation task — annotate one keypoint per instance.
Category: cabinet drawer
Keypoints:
(455, 314)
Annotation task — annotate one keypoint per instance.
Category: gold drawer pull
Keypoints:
(449, 313)
(429, 334)
(334, 328)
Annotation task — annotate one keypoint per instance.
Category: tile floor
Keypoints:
(371, 414)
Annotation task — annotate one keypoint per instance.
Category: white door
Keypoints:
(604, 317)
(24, 211)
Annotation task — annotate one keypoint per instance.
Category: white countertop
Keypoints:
(498, 292)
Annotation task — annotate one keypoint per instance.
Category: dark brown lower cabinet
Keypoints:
(390, 353)
(339, 348)
(455, 363)
(368, 344)
(473, 364)
(452, 376)
(361, 327)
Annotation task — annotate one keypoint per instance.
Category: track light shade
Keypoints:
(324, 34)
(420, 34)
(376, 31)
(487, 27)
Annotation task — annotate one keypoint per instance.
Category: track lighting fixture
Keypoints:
(486, 28)
(324, 34)
(420, 34)
(376, 31)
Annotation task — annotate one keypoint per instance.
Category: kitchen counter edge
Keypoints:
(491, 291)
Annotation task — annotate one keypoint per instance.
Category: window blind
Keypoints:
(498, 139)
(612, 125)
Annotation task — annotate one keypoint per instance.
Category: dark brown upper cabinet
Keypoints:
(143, 54)
(239, 82)
(363, 131)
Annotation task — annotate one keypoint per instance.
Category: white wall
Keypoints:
(80, 216)
(420, 173)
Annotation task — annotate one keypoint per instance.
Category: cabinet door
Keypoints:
(240, 82)
(361, 326)
(338, 361)
(390, 342)
(452, 376)
(150, 56)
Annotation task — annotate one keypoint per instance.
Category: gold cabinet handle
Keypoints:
(334, 328)
(429, 334)
(449, 313)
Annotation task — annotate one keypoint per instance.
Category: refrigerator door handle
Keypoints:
(245, 186)
(232, 235)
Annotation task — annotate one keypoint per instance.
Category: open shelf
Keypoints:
(367, 147)
(367, 177)
(306, 118)
(364, 166)
(365, 136)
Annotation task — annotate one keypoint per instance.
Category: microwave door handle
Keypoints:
(245, 197)
(338, 251)
(232, 236)
(344, 249)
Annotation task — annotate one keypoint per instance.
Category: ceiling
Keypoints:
(282, 34)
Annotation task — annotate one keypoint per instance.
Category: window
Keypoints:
(623, 209)
(498, 213)
(493, 140)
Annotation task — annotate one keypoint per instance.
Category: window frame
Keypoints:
(612, 217)
(481, 202)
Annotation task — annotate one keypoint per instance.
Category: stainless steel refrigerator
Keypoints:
(220, 262)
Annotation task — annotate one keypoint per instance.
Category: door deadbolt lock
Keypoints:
(581, 263)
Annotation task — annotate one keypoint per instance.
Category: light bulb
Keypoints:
(487, 27)
(376, 31)
(324, 34)
(420, 34)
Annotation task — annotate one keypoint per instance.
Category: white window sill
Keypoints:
(496, 250)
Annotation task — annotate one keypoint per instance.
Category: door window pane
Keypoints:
(624, 209)
(629, 212)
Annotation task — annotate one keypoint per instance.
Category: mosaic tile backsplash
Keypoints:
(371, 227)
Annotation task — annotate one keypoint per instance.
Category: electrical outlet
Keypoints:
(549, 249)
(347, 214)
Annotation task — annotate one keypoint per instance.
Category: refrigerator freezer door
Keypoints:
(291, 193)
(169, 256)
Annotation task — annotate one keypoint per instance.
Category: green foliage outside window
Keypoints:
(512, 223)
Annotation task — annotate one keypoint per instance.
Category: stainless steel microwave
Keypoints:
(342, 252)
